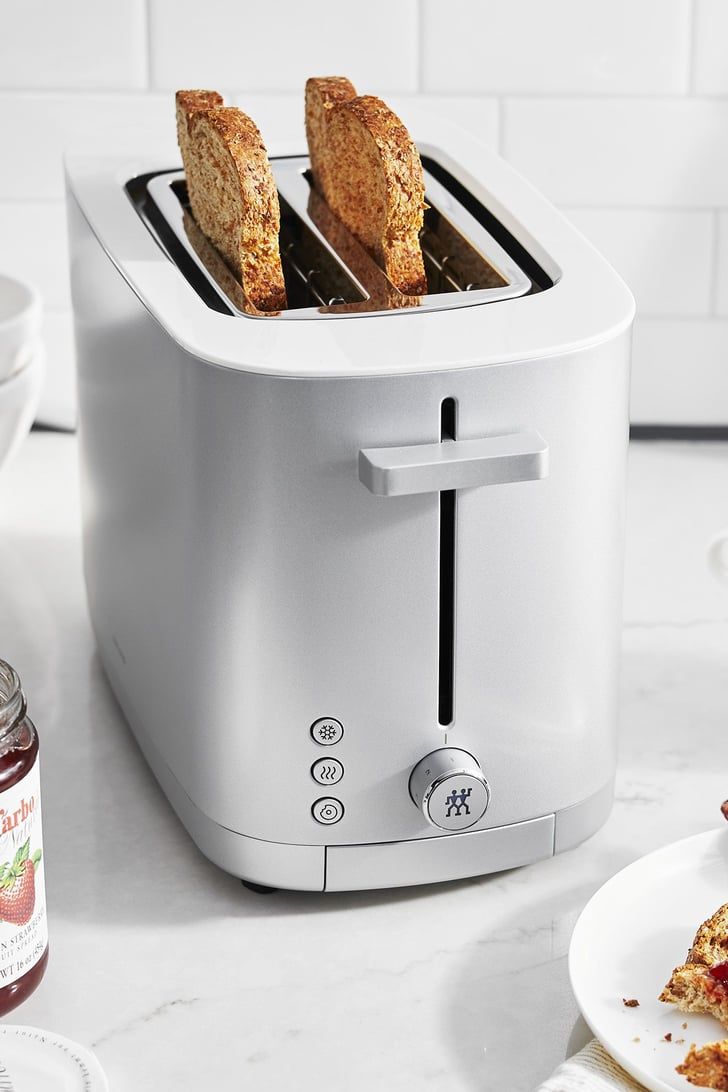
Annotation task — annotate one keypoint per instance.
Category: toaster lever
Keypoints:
(453, 464)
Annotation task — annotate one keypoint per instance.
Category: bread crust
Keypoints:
(369, 171)
(710, 945)
(186, 104)
(232, 193)
(322, 94)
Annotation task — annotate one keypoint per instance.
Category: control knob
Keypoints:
(450, 789)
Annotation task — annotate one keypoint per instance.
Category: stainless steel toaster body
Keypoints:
(319, 552)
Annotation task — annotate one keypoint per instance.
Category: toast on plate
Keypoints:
(700, 984)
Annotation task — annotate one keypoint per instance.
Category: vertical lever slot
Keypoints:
(448, 505)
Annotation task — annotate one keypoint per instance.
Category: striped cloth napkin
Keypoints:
(591, 1070)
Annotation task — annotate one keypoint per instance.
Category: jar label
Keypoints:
(23, 924)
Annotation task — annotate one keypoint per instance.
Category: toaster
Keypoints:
(355, 568)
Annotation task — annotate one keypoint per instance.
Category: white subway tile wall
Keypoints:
(618, 112)
(625, 47)
(274, 47)
(78, 44)
(650, 248)
(711, 35)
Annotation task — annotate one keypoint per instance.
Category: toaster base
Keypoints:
(370, 866)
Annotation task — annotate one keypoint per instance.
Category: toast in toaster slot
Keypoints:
(368, 170)
(322, 94)
(232, 193)
(381, 293)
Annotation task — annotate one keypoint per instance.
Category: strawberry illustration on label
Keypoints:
(17, 886)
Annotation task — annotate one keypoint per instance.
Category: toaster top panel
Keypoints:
(510, 278)
(470, 258)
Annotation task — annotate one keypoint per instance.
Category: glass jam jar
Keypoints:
(23, 924)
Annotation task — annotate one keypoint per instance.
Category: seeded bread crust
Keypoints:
(232, 192)
(368, 169)
(322, 94)
(706, 1067)
(186, 103)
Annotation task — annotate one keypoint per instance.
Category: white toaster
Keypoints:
(355, 568)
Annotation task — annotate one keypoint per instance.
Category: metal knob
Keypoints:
(450, 789)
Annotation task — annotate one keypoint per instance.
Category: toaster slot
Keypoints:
(446, 636)
(470, 258)
(313, 275)
(451, 264)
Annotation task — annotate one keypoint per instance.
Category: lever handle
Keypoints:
(453, 464)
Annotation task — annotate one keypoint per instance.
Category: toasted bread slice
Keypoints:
(706, 1067)
(368, 169)
(233, 194)
(323, 93)
(693, 989)
(701, 983)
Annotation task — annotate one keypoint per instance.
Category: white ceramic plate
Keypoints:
(627, 941)
(41, 1061)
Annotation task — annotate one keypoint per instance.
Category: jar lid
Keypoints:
(33, 1060)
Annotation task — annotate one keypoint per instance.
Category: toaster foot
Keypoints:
(259, 888)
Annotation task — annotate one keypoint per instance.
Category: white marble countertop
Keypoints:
(181, 979)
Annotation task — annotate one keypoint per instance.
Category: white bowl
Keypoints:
(20, 315)
(19, 398)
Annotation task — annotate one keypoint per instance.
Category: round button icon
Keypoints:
(327, 731)
(327, 771)
(328, 810)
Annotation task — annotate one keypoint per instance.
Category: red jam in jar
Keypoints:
(23, 924)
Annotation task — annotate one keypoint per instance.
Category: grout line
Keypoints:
(501, 116)
(82, 93)
(59, 201)
(565, 206)
(692, 35)
(148, 41)
(663, 98)
(420, 41)
(672, 316)
(714, 265)
(692, 46)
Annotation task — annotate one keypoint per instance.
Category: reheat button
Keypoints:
(327, 771)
